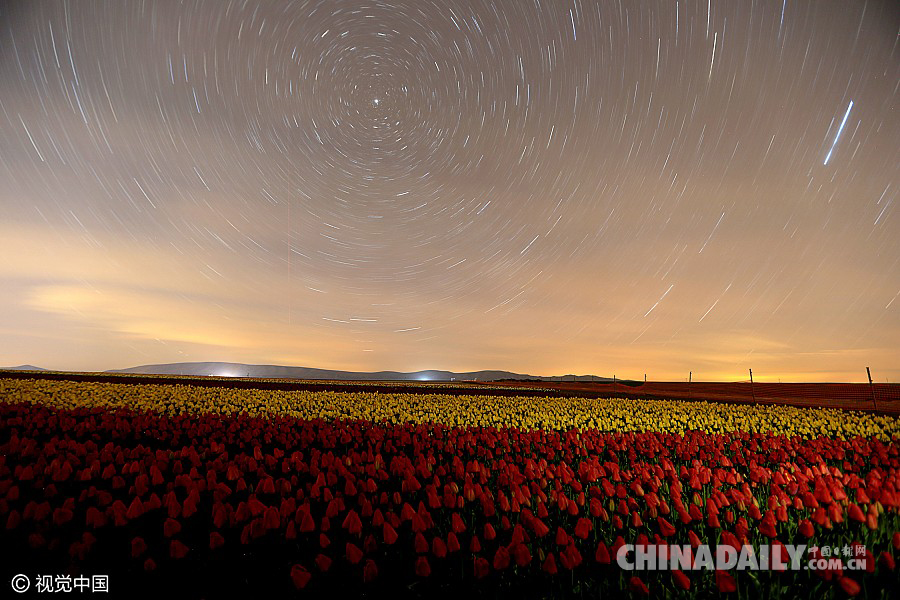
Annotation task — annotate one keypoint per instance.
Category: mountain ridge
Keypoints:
(226, 369)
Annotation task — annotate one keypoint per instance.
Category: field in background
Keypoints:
(878, 397)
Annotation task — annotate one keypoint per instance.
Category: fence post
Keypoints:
(690, 377)
(872, 387)
(752, 392)
(614, 384)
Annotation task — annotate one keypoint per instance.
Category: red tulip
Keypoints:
(389, 534)
(171, 527)
(583, 528)
(549, 565)
(725, 582)
(482, 568)
(867, 558)
(61, 516)
(521, 555)
(418, 523)
(501, 558)
(156, 476)
(636, 586)
(307, 523)
(190, 504)
(850, 587)
(456, 523)
(694, 513)
(438, 547)
(693, 538)
(681, 580)
(741, 529)
(352, 523)
(872, 520)
(94, 517)
(562, 538)
(177, 549)
(856, 514)
(729, 539)
(353, 554)
(290, 532)
(216, 540)
(138, 547)
(835, 513)
(370, 571)
(767, 529)
(666, 529)
(323, 562)
(135, 509)
(423, 569)
(539, 527)
(489, 533)
(806, 528)
(421, 544)
(300, 576)
(602, 554)
(172, 505)
(572, 557)
(452, 542)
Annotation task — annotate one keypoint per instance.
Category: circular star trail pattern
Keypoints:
(539, 186)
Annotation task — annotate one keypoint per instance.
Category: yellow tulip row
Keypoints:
(672, 416)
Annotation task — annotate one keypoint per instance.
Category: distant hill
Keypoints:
(22, 368)
(223, 369)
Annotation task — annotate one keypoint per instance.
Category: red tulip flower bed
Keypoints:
(219, 506)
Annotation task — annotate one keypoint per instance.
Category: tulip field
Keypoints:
(213, 492)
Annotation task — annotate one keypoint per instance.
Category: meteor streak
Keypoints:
(840, 129)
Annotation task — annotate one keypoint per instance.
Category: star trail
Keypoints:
(539, 186)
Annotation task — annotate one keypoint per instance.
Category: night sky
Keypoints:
(540, 186)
